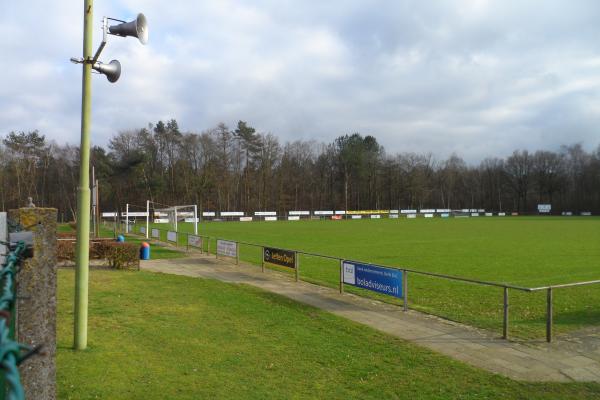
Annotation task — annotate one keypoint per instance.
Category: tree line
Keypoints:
(240, 169)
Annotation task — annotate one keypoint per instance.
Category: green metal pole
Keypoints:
(83, 191)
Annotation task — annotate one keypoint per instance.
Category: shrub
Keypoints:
(65, 250)
(119, 255)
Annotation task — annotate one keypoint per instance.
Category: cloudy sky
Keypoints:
(475, 77)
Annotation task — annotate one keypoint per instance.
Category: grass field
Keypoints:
(154, 336)
(527, 251)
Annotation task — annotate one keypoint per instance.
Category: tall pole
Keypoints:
(147, 217)
(195, 219)
(83, 191)
(94, 201)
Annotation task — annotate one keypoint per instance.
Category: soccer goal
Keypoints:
(171, 215)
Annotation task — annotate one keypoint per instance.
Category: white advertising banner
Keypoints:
(209, 214)
(172, 236)
(226, 248)
(155, 233)
(586, 213)
(489, 214)
(408, 211)
(356, 217)
(323, 213)
(474, 214)
(393, 216)
(299, 213)
(294, 218)
(191, 220)
(194, 241)
(340, 213)
(411, 216)
(427, 211)
(270, 218)
(501, 214)
(265, 213)
(109, 214)
(161, 221)
(394, 211)
(429, 215)
(544, 208)
(375, 216)
(232, 214)
(245, 219)
(135, 214)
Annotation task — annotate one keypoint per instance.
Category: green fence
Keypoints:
(11, 352)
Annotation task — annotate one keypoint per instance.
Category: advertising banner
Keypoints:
(367, 212)
(265, 213)
(299, 213)
(372, 277)
(226, 248)
(194, 241)
(155, 233)
(294, 218)
(394, 216)
(270, 218)
(209, 214)
(232, 214)
(143, 230)
(544, 208)
(285, 258)
(356, 217)
(411, 216)
(245, 219)
(375, 216)
(172, 236)
(323, 213)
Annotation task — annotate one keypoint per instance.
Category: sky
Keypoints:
(473, 77)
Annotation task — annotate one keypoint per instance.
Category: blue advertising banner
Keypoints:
(372, 277)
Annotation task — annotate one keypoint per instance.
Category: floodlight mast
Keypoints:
(112, 71)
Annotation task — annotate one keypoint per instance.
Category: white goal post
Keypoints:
(173, 213)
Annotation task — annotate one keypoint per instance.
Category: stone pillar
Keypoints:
(36, 301)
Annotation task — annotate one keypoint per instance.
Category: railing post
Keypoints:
(237, 253)
(405, 289)
(297, 266)
(262, 259)
(505, 315)
(208, 246)
(341, 276)
(549, 315)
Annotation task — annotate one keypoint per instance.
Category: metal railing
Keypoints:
(12, 353)
(405, 273)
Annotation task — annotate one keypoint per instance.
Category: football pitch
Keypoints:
(523, 251)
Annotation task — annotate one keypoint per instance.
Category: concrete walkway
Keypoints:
(576, 359)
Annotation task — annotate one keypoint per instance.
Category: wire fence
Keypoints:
(322, 274)
(12, 353)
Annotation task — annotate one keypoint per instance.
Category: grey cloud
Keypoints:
(479, 78)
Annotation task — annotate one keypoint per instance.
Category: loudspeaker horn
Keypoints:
(112, 70)
(137, 28)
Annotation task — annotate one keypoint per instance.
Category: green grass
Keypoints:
(154, 336)
(526, 251)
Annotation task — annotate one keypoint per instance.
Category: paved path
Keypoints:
(576, 359)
